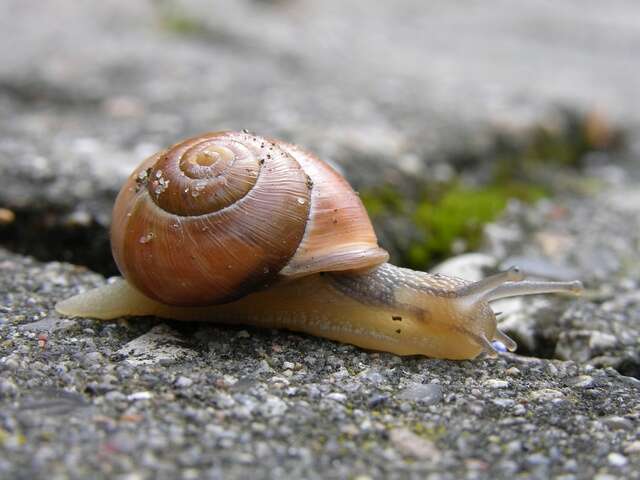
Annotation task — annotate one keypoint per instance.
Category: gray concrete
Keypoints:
(84, 399)
(397, 84)
(398, 92)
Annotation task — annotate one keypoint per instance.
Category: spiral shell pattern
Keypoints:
(220, 215)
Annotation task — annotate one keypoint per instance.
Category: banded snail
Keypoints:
(240, 229)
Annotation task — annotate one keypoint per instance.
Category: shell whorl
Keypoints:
(217, 216)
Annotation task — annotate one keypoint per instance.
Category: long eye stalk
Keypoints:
(510, 283)
(515, 289)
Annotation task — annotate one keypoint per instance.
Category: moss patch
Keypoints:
(449, 218)
(383, 201)
(458, 216)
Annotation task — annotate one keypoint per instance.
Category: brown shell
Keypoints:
(339, 235)
(220, 215)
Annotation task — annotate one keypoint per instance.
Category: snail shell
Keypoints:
(227, 213)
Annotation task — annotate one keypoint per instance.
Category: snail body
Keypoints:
(235, 228)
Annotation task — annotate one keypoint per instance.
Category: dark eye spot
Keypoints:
(396, 318)
(398, 331)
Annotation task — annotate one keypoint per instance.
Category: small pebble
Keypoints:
(602, 341)
(377, 400)
(496, 383)
(183, 382)
(617, 459)
(583, 381)
(273, 407)
(7, 387)
(546, 395)
(427, 394)
(93, 357)
(503, 402)
(337, 397)
(408, 443)
(618, 423)
(140, 396)
(115, 396)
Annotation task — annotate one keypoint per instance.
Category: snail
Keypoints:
(240, 229)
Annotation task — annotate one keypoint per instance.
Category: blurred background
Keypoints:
(439, 112)
(478, 133)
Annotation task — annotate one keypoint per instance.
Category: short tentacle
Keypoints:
(486, 345)
(506, 340)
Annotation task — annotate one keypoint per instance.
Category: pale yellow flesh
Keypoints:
(311, 305)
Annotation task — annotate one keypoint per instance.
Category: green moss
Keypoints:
(445, 215)
(456, 220)
(383, 200)
(173, 18)
(458, 216)
(448, 218)
(547, 146)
